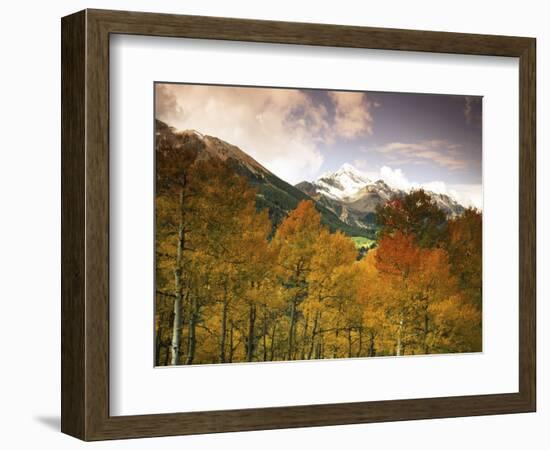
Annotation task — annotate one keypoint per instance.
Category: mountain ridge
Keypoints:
(346, 198)
(354, 197)
(273, 193)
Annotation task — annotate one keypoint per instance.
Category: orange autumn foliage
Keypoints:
(251, 293)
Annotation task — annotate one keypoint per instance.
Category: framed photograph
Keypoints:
(272, 225)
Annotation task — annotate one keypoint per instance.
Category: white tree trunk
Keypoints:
(399, 348)
(178, 282)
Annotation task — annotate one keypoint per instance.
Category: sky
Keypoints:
(408, 140)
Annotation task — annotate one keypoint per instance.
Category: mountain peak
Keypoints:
(343, 183)
(348, 168)
(188, 132)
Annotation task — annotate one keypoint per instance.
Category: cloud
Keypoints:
(352, 117)
(281, 128)
(396, 178)
(441, 152)
(468, 194)
(465, 194)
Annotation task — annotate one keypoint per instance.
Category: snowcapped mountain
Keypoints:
(343, 183)
(273, 193)
(347, 198)
(353, 196)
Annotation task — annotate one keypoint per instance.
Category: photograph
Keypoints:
(253, 226)
(306, 224)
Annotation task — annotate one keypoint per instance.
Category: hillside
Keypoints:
(275, 194)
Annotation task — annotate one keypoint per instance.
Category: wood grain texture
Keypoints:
(85, 224)
(152, 24)
(527, 224)
(73, 109)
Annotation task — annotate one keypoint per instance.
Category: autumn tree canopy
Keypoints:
(229, 289)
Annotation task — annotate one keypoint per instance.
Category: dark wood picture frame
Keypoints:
(85, 224)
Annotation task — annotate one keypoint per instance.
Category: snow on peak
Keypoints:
(344, 182)
(349, 184)
(349, 169)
